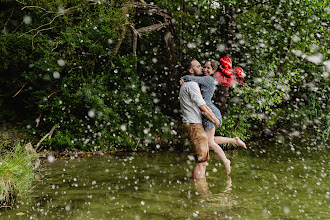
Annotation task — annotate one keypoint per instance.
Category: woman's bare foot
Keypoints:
(239, 142)
(227, 167)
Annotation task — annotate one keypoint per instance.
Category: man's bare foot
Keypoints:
(227, 167)
(239, 142)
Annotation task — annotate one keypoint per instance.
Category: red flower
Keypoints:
(225, 66)
(225, 63)
(226, 81)
(239, 73)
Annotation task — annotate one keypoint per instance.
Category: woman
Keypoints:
(207, 84)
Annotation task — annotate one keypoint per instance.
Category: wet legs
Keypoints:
(218, 150)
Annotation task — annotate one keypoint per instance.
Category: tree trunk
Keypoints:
(223, 93)
(172, 83)
(164, 24)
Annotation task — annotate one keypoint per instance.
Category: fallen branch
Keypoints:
(49, 134)
(19, 90)
(41, 140)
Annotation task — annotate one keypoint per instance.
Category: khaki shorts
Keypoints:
(198, 140)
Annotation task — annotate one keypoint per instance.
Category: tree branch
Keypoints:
(53, 93)
(38, 33)
(32, 6)
(38, 120)
(4, 28)
(155, 27)
(19, 90)
(42, 25)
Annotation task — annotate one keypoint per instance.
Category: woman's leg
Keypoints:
(218, 150)
(226, 140)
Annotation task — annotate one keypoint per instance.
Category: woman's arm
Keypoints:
(201, 80)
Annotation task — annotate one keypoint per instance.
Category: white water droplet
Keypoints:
(61, 62)
(56, 75)
(123, 127)
(27, 19)
(51, 158)
(91, 113)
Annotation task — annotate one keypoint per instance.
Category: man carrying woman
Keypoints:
(192, 107)
(207, 85)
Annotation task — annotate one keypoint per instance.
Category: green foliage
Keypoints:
(61, 54)
(284, 54)
(16, 171)
(282, 47)
(73, 80)
(110, 110)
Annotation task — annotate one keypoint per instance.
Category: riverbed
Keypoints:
(269, 180)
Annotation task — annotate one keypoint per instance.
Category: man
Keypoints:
(192, 107)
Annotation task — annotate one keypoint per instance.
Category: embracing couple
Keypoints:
(201, 117)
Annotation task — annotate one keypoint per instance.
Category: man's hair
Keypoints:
(189, 65)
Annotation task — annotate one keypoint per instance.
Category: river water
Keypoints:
(278, 180)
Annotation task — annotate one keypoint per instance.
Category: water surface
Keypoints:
(274, 181)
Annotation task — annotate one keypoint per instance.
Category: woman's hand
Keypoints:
(181, 81)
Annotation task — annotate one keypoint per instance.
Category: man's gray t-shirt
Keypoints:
(190, 100)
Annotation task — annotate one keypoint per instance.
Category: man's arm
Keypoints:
(196, 96)
(206, 111)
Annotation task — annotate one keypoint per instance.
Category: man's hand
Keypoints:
(207, 112)
(217, 123)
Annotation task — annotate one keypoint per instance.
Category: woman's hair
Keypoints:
(214, 64)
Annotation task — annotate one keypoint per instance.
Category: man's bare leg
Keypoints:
(199, 170)
(226, 140)
(218, 150)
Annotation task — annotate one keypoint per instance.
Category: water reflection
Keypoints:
(202, 189)
(217, 203)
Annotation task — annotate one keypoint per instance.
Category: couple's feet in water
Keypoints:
(226, 164)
